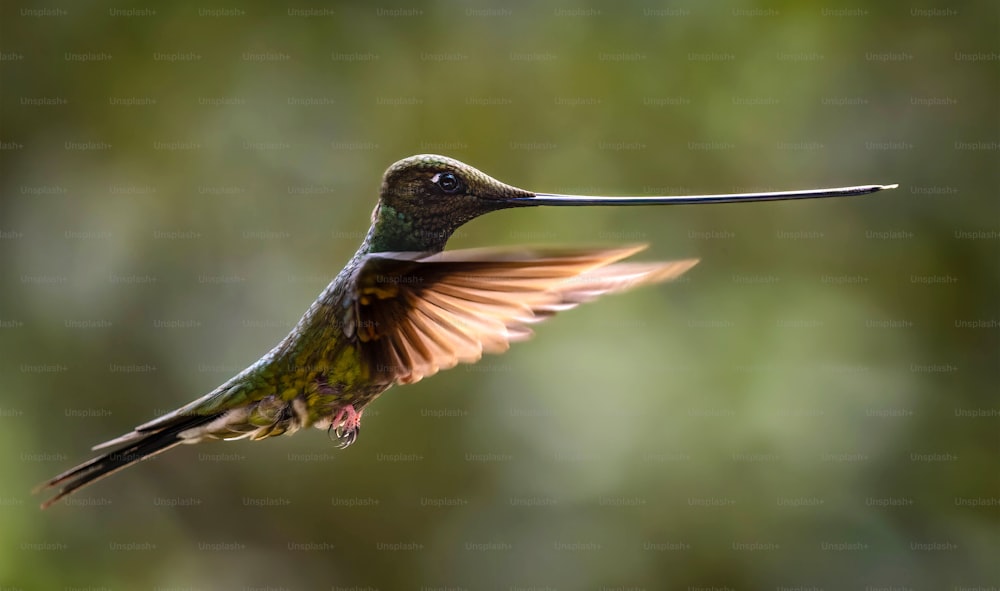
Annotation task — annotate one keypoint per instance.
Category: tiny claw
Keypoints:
(345, 426)
(346, 436)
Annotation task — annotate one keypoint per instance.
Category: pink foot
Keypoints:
(346, 425)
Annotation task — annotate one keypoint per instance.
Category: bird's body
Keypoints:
(399, 311)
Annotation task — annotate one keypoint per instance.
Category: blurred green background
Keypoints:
(813, 406)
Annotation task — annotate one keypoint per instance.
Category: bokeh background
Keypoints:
(813, 406)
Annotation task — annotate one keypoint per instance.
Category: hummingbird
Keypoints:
(403, 309)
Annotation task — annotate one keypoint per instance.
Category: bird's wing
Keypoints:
(415, 315)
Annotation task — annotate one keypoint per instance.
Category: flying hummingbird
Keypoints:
(403, 309)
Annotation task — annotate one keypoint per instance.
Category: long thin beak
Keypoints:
(556, 199)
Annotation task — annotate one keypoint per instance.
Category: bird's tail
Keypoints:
(141, 445)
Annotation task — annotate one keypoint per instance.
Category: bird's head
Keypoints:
(425, 198)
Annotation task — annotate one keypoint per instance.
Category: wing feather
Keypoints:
(424, 314)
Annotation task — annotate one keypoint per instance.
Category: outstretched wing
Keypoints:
(416, 315)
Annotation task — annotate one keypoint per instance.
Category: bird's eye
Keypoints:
(448, 182)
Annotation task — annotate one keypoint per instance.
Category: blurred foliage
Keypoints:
(815, 405)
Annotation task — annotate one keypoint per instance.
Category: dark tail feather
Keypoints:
(107, 464)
